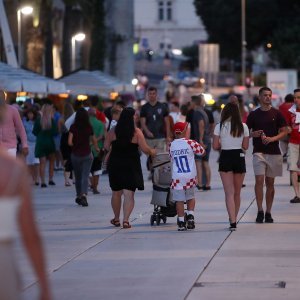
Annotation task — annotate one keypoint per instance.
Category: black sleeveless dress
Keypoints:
(124, 167)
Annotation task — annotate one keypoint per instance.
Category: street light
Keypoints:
(244, 42)
(26, 10)
(79, 37)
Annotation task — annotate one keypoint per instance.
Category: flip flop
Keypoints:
(115, 222)
(126, 225)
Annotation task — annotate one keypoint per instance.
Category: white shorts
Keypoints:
(183, 195)
(12, 152)
(30, 158)
(293, 156)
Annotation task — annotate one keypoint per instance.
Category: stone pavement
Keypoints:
(89, 259)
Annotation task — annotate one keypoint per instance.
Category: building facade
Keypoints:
(163, 25)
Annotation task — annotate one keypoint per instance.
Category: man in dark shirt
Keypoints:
(155, 121)
(201, 134)
(267, 127)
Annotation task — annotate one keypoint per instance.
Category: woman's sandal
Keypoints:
(126, 225)
(115, 222)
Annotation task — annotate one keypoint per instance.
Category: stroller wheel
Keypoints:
(157, 219)
(152, 220)
(164, 218)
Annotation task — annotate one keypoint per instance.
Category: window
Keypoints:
(169, 11)
(165, 10)
(161, 11)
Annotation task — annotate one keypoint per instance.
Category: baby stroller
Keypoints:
(160, 167)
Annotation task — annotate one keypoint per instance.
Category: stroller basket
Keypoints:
(161, 195)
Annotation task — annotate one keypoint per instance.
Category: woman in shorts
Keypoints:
(231, 136)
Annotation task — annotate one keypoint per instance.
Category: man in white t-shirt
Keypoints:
(184, 175)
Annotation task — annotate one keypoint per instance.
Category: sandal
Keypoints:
(115, 222)
(126, 225)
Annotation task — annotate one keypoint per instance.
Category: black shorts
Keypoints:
(96, 166)
(232, 161)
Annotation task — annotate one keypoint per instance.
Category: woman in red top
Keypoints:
(80, 137)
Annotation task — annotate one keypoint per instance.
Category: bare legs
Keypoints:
(128, 204)
(43, 161)
(270, 191)
(180, 206)
(206, 168)
(116, 203)
(51, 166)
(207, 171)
(34, 171)
(94, 183)
(259, 192)
(199, 172)
(232, 183)
(295, 183)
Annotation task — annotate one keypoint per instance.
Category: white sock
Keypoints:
(190, 212)
(181, 219)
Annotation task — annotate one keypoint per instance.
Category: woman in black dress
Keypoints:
(124, 165)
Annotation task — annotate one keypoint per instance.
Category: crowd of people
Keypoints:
(86, 142)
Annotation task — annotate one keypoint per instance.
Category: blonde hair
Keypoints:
(46, 116)
(2, 96)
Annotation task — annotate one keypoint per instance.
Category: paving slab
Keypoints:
(88, 258)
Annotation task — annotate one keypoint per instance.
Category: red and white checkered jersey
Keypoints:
(184, 174)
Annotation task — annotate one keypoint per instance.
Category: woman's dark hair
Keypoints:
(125, 128)
(231, 113)
(82, 119)
(31, 110)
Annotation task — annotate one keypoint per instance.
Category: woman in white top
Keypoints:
(231, 136)
(16, 212)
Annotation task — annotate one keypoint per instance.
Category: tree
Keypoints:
(98, 36)
(266, 21)
(40, 40)
(92, 17)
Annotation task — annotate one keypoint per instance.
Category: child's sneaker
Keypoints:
(190, 222)
(181, 226)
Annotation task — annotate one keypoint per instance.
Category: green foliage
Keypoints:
(274, 21)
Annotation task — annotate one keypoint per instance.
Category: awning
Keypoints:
(18, 80)
(94, 83)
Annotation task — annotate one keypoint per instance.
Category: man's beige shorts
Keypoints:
(293, 156)
(269, 165)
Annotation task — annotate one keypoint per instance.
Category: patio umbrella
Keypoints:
(18, 80)
(94, 83)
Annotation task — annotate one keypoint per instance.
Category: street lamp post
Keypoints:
(26, 10)
(79, 37)
(244, 42)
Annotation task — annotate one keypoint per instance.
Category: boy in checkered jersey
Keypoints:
(184, 174)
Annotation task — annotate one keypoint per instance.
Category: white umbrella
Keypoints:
(94, 83)
(17, 80)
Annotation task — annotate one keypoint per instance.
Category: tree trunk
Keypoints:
(46, 22)
(66, 53)
(98, 45)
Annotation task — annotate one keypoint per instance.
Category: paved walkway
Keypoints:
(90, 259)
